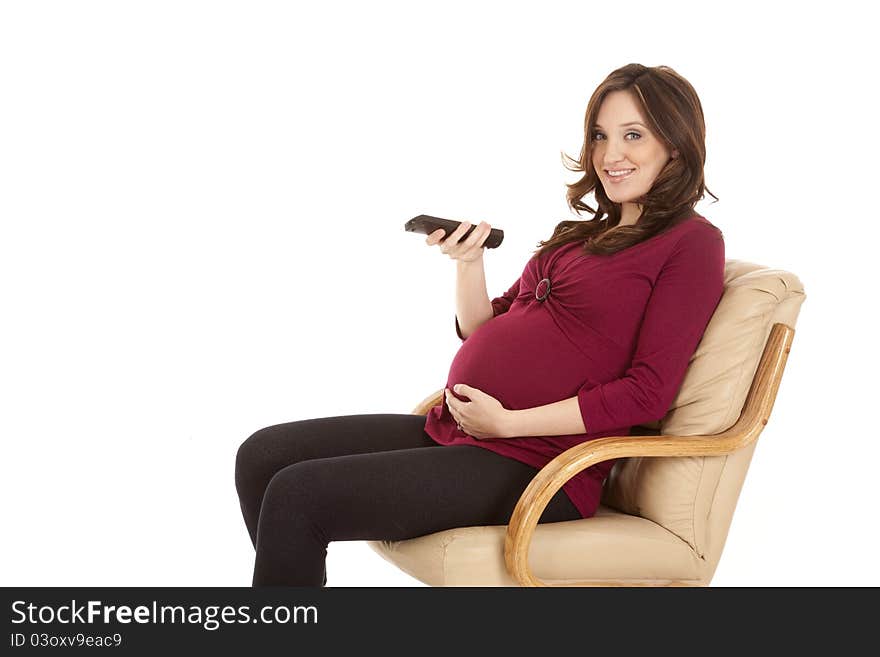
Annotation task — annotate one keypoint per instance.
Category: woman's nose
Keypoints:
(613, 152)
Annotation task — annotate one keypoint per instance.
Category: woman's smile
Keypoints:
(619, 177)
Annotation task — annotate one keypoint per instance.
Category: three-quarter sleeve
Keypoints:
(684, 297)
(499, 305)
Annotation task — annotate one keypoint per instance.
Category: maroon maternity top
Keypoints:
(616, 331)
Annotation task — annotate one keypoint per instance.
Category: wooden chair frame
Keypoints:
(537, 495)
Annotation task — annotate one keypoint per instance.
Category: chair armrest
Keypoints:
(537, 495)
(428, 403)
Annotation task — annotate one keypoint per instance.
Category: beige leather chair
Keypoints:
(669, 501)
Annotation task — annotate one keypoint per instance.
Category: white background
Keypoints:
(202, 210)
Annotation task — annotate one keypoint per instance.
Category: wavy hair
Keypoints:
(674, 114)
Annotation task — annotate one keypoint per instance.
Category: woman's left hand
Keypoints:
(481, 417)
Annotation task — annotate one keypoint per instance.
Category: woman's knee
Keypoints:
(256, 460)
(296, 494)
(298, 482)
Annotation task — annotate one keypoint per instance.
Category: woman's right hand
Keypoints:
(469, 250)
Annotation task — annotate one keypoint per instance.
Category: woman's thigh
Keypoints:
(274, 447)
(402, 494)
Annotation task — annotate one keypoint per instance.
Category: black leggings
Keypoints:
(366, 477)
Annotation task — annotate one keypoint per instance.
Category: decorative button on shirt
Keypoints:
(542, 291)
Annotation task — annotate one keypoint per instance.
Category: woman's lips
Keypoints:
(617, 179)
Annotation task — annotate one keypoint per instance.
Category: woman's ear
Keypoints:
(674, 154)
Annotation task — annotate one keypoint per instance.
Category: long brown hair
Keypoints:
(674, 114)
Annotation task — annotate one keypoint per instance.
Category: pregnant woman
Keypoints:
(593, 338)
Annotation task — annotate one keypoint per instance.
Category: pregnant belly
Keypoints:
(522, 360)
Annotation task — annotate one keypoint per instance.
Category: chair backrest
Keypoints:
(694, 497)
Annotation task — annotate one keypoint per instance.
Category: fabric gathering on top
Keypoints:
(617, 331)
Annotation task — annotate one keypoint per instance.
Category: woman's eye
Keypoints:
(599, 134)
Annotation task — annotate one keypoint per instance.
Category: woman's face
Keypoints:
(622, 141)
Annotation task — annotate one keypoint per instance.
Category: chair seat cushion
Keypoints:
(611, 546)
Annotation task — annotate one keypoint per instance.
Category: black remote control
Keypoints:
(426, 224)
